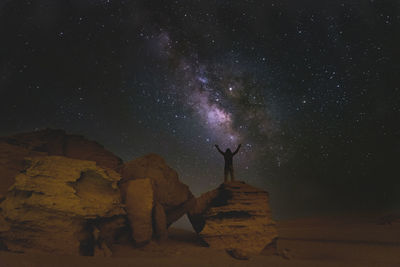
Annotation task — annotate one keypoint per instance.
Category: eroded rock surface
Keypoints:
(13, 150)
(53, 204)
(169, 192)
(234, 217)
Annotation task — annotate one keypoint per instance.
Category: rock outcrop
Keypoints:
(234, 217)
(169, 192)
(57, 204)
(14, 149)
(62, 193)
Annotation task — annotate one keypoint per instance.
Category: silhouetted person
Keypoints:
(228, 156)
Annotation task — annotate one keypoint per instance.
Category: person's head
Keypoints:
(228, 151)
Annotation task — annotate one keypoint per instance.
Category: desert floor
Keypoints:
(345, 240)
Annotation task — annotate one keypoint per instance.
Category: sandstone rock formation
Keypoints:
(234, 217)
(54, 206)
(14, 149)
(169, 192)
(159, 222)
(154, 196)
(138, 198)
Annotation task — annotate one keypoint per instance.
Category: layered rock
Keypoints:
(235, 217)
(55, 203)
(12, 162)
(14, 149)
(171, 194)
(67, 198)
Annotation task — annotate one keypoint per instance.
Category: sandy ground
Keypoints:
(322, 241)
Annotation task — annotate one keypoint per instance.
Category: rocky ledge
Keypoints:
(235, 217)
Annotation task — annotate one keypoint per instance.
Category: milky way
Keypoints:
(199, 95)
(231, 111)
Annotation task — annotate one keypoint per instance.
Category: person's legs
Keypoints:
(232, 175)
(226, 175)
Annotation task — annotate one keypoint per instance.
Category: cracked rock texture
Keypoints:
(235, 217)
(54, 204)
(48, 142)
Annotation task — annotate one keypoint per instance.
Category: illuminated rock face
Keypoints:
(53, 204)
(53, 199)
(13, 150)
(236, 216)
(169, 192)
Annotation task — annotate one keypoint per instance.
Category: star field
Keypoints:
(309, 88)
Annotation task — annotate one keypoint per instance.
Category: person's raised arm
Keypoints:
(237, 149)
(219, 150)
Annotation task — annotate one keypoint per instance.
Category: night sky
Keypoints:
(311, 89)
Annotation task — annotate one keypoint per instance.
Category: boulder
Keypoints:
(235, 217)
(169, 192)
(160, 222)
(138, 198)
(55, 203)
(48, 142)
